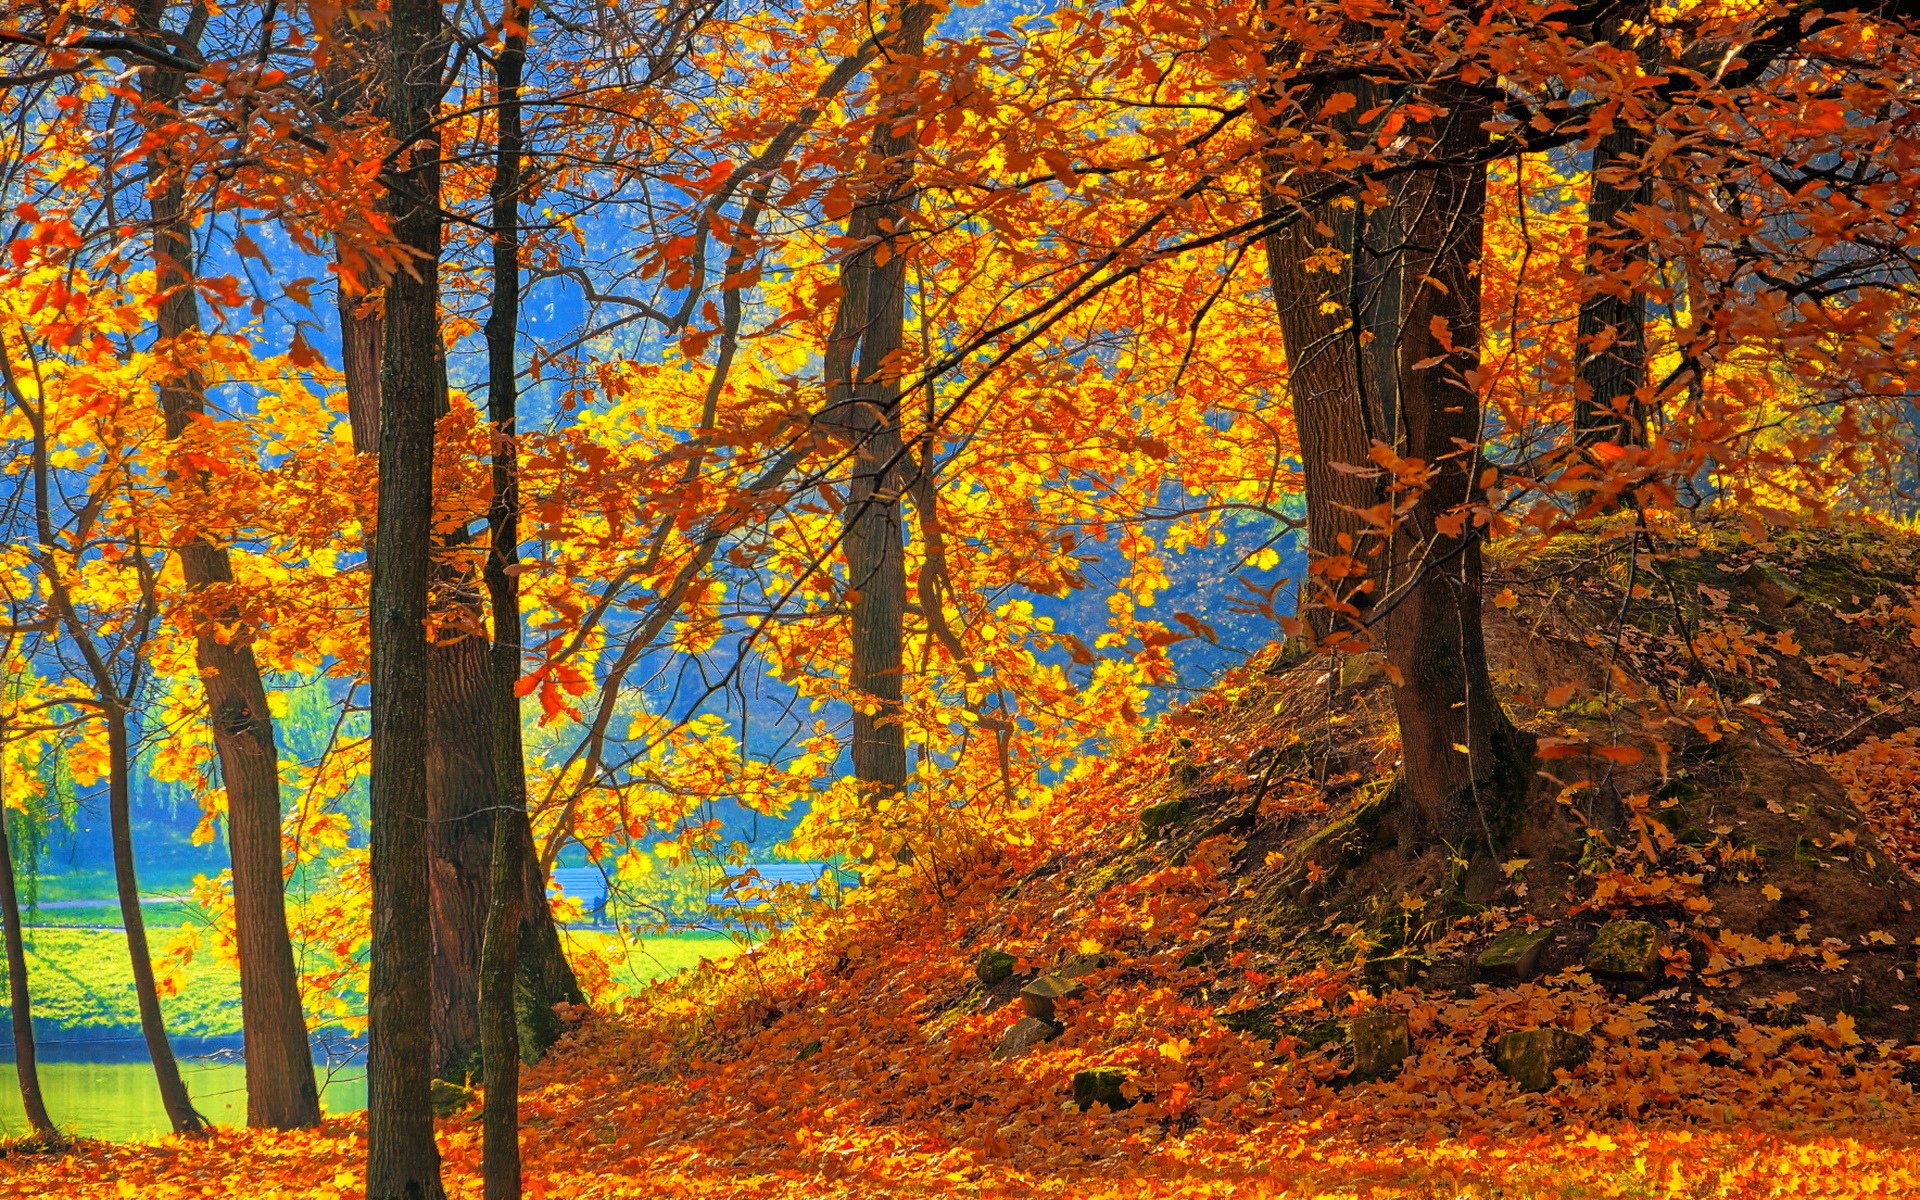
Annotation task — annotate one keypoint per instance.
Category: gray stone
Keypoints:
(1038, 997)
(1381, 1042)
(1773, 587)
(994, 965)
(1515, 954)
(1530, 1057)
(1102, 1085)
(1076, 965)
(1627, 950)
(1022, 1036)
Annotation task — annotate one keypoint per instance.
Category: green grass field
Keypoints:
(79, 978)
(643, 961)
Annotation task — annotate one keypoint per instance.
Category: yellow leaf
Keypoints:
(1843, 1025)
(1506, 599)
(1771, 892)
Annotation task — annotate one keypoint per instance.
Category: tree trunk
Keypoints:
(361, 333)
(463, 779)
(153, 1022)
(26, 1057)
(281, 1093)
(403, 1163)
(862, 375)
(1461, 761)
(462, 789)
(1607, 406)
(1339, 319)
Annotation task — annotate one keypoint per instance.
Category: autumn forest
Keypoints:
(869, 598)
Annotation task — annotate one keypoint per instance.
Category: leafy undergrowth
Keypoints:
(1723, 749)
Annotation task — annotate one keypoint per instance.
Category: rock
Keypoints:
(1394, 970)
(994, 965)
(1771, 585)
(1529, 1057)
(1515, 954)
(1022, 1036)
(1381, 1041)
(1076, 965)
(1627, 950)
(449, 1098)
(1157, 817)
(1102, 1085)
(1038, 997)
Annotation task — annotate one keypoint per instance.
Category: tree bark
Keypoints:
(26, 1055)
(1607, 405)
(153, 1022)
(1460, 758)
(111, 704)
(281, 1093)
(462, 792)
(464, 777)
(1334, 272)
(403, 1162)
(361, 332)
(862, 372)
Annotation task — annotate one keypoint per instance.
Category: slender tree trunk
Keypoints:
(1461, 762)
(361, 332)
(26, 1056)
(403, 1163)
(512, 841)
(1611, 336)
(863, 373)
(281, 1093)
(111, 702)
(153, 1022)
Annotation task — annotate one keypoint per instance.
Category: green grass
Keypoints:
(99, 885)
(107, 912)
(80, 979)
(636, 964)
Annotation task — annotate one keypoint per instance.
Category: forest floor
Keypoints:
(1733, 770)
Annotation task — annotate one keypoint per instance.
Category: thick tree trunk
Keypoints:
(1325, 381)
(1461, 762)
(461, 796)
(281, 1093)
(1611, 336)
(26, 1055)
(862, 374)
(403, 1163)
(463, 779)
(153, 1022)
(1333, 269)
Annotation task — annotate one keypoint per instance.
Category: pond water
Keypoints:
(120, 1101)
